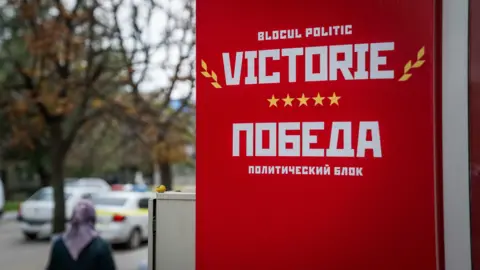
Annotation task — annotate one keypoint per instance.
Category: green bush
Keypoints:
(11, 206)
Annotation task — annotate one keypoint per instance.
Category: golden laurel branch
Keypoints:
(212, 75)
(409, 65)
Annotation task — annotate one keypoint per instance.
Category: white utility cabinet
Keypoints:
(171, 242)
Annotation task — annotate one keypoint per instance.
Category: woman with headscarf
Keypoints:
(80, 248)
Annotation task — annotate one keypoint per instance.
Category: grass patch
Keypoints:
(11, 206)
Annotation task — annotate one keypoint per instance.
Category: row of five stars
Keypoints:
(303, 100)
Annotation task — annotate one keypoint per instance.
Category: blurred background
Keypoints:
(92, 89)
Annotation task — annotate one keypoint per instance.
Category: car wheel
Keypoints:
(135, 239)
(30, 236)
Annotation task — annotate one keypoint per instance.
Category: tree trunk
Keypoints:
(59, 194)
(156, 175)
(57, 161)
(166, 175)
(44, 175)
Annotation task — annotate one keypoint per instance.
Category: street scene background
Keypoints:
(92, 89)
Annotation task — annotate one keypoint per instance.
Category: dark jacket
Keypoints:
(96, 256)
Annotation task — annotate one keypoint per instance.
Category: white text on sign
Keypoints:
(321, 31)
(306, 170)
(333, 58)
(300, 145)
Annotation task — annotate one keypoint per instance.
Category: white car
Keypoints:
(36, 213)
(90, 182)
(2, 198)
(122, 217)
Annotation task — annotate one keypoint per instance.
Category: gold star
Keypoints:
(288, 100)
(334, 99)
(303, 100)
(273, 101)
(318, 99)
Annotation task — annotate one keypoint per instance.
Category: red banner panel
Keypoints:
(315, 135)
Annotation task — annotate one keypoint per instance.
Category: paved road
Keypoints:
(17, 254)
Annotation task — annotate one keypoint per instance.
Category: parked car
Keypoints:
(35, 215)
(2, 198)
(90, 182)
(122, 217)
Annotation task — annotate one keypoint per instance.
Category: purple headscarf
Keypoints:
(82, 228)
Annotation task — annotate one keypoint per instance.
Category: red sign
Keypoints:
(315, 135)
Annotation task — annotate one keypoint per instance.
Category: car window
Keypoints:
(87, 196)
(46, 195)
(109, 201)
(143, 203)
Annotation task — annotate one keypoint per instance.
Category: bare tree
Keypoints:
(168, 54)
